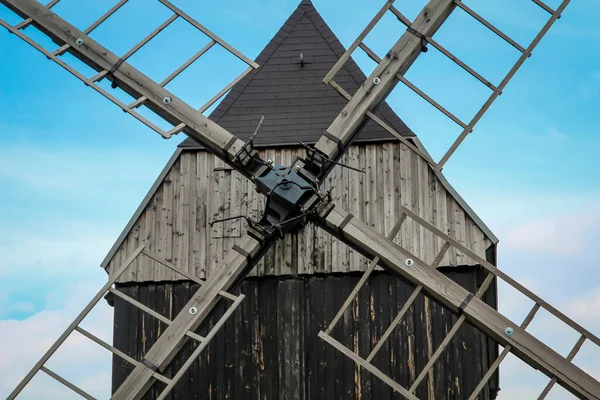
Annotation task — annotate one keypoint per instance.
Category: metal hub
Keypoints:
(291, 192)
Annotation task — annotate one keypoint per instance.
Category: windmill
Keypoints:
(294, 198)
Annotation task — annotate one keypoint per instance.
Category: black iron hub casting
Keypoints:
(292, 193)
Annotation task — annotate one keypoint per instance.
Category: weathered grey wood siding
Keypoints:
(200, 188)
(270, 350)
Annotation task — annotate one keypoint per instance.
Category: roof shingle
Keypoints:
(296, 104)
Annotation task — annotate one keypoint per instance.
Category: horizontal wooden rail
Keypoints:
(67, 383)
(491, 27)
(186, 274)
(437, 286)
(504, 82)
(194, 356)
(151, 312)
(62, 49)
(344, 58)
(415, 89)
(363, 279)
(395, 322)
(27, 21)
(544, 6)
(118, 352)
(446, 52)
(149, 37)
(406, 305)
(368, 366)
(107, 346)
(226, 89)
(500, 274)
(85, 80)
(400, 16)
(75, 323)
(209, 33)
(130, 80)
(492, 369)
(176, 73)
(570, 357)
(388, 128)
(453, 331)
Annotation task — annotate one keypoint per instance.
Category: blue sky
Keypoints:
(73, 167)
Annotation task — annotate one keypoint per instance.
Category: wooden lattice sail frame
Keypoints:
(241, 156)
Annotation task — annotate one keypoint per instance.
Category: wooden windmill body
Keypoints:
(296, 289)
(284, 305)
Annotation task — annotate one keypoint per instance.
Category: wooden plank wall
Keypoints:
(200, 188)
(269, 349)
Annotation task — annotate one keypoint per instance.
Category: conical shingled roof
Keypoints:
(297, 105)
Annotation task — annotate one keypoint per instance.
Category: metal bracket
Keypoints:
(335, 139)
(114, 68)
(341, 227)
(465, 303)
(244, 253)
(149, 364)
(420, 36)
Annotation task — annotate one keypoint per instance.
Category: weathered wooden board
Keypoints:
(270, 348)
(200, 188)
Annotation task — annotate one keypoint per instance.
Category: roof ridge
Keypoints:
(387, 113)
(299, 104)
(262, 57)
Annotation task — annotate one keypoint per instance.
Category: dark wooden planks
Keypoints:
(269, 349)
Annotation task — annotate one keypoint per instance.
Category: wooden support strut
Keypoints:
(477, 312)
(363, 279)
(234, 267)
(129, 79)
(39, 365)
(373, 91)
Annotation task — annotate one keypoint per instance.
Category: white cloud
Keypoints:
(561, 235)
(586, 307)
(60, 250)
(80, 361)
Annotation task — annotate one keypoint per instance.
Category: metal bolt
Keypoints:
(167, 100)
(509, 330)
(269, 161)
(193, 310)
(79, 42)
(409, 262)
(376, 81)
(298, 168)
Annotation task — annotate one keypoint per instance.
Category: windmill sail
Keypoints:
(325, 153)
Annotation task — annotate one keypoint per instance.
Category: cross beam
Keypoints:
(133, 82)
(237, 263)
(352, 232)
(382, 80)
(437, 286)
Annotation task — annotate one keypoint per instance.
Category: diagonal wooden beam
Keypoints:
(439, 287)
(132, 81)
(237, 263)
(397, 61)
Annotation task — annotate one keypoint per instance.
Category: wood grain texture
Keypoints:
(270, 349)
(200, 188)
(524, 345)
